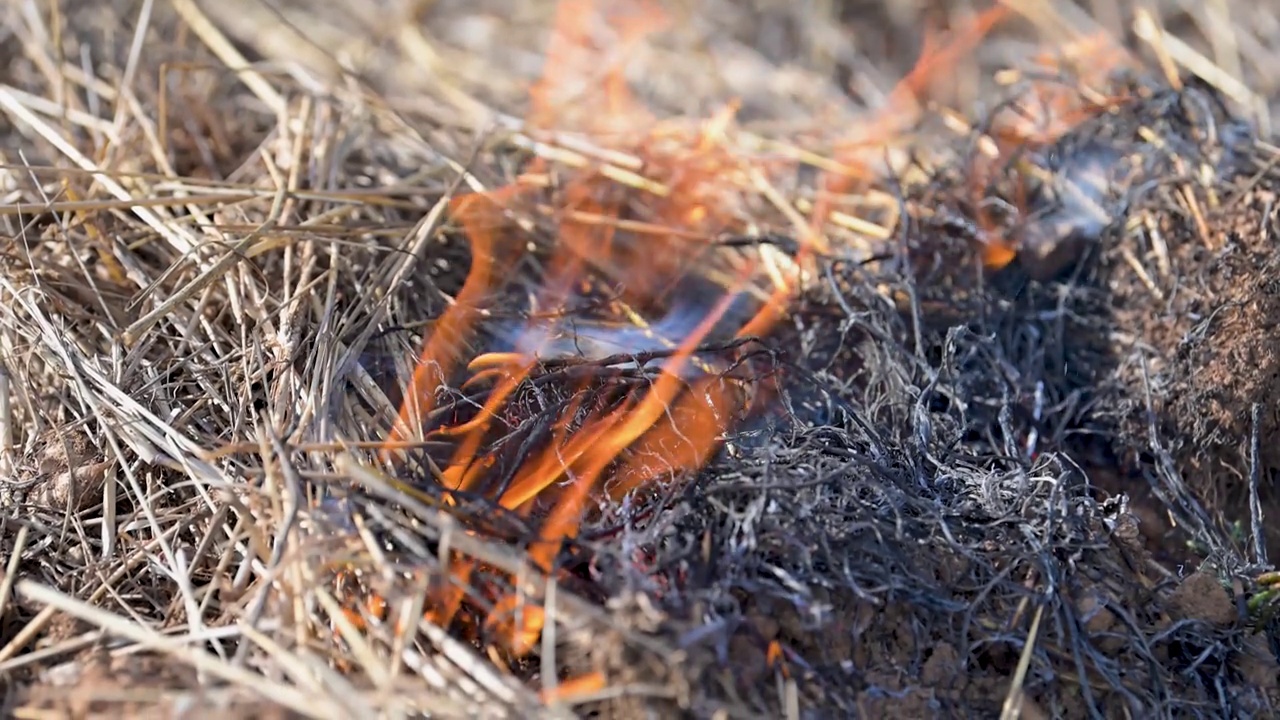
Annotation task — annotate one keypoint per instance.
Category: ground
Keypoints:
(1000, 441)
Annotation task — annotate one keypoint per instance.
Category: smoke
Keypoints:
(592, 339)
(1075, 208)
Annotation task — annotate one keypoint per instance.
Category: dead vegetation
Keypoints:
(903, 361)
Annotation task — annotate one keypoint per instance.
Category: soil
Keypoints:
(1205, 349)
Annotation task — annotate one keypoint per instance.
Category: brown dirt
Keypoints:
(1198, 339)
(65, 473)
(1202, 597)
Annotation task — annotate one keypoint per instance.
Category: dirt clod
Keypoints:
(1201, 597)
(66, 474)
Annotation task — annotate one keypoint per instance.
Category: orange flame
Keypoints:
(1051, 107)
(640, 238)
(576, 62)
(668, 426)
(856, 155)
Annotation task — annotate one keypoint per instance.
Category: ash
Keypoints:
(955, 500)
(945, 501)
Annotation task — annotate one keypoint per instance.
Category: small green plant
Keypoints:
(1262, 606)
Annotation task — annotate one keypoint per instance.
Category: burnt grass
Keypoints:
(1047, 487)
(979, 481)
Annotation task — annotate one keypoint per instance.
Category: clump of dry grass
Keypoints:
(220, 272)
(194, 260)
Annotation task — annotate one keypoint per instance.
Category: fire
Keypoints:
(1047, 108)
(1051, 106)
(578, 67)
(865, 146)
(615, 436)
(636, 221)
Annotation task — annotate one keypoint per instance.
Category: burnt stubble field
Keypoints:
(639, 359)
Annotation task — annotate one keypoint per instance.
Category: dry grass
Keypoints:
(227, 226)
